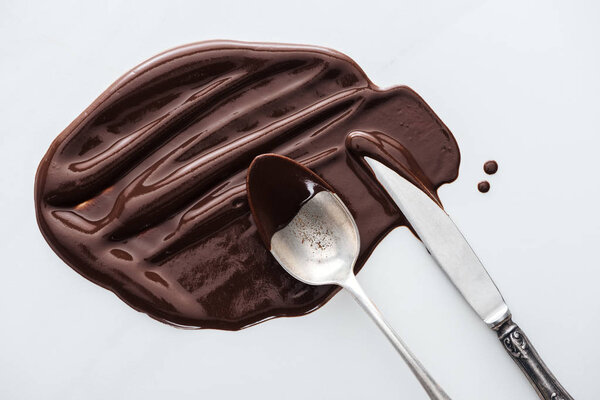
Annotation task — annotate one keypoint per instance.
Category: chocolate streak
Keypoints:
(145, 193)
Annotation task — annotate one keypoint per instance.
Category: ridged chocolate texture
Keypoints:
(144, 193)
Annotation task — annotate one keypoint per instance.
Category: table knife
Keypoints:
(460, 263)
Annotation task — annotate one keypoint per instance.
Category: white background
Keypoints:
(515, 81)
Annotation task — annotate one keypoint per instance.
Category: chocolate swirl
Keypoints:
(144, 193)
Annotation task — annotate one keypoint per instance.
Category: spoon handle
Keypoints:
(434, 390)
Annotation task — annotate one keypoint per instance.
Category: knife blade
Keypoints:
(446, 244)
(454, 255)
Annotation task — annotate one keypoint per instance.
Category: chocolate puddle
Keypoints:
(145, 193)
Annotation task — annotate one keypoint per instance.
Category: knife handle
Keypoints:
(519, 347)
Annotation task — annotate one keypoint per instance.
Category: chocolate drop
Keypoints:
(483, 186)
(490, 167)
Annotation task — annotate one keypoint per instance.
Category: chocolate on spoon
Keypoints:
(277, 188)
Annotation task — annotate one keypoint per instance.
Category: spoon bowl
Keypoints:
(320, 245)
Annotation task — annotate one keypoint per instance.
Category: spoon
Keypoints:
(313, 236)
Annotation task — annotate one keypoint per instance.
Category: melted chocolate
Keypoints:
(483, 186)
(490, 167)
(277, 188)
(145, 192)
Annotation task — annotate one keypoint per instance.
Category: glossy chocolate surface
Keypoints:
(277, 188)
(145, 192)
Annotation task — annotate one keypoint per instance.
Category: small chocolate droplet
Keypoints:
(483, 186)
(490, 167)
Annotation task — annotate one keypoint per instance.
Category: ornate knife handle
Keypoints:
(527, 358)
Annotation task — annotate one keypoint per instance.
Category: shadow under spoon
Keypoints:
(313, 236)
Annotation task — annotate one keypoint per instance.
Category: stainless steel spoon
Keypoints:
(320, 247)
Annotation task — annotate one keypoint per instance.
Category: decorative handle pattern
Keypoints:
(527, 358)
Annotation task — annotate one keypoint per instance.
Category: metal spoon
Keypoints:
(319, 246)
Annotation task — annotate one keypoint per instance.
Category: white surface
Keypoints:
(515, 81)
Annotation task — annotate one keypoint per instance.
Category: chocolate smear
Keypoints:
(145, 192)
